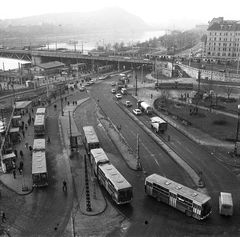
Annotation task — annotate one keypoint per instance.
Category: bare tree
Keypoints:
(165, 96)
(228, 90)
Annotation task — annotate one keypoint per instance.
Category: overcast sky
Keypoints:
(150, 10)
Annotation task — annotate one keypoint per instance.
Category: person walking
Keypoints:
(32, 119)
(3, 216)
(48, 140)
(64, 188)
(26, 126)
(14, 174)
(21, 165)
(21, 153)
(26, 144)
(32, 110)
(23, 133)
(20, 171)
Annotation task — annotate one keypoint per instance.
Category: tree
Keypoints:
(165, 96)
(228, 90)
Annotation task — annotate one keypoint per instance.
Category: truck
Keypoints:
(146, 108)
(158, 124)
(124, 91)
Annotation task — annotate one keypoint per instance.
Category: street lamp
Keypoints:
(238, 65)
(82, 45)
(235, 150)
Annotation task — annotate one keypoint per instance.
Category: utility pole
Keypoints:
(70, 129)
(136, 82)
(61, 99)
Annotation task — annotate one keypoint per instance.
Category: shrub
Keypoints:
(219, 122)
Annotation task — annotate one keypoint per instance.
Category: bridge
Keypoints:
(70, 57)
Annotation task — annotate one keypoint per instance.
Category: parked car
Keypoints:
(82, 88)
(118, 96)
(137, 111)
(113, 83)
(128, 103)
(114, 91)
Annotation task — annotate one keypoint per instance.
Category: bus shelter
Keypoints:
(17, 121)
(14, 135)
(8, 162)
(23, 107)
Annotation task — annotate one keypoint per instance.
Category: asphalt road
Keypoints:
(145, 213)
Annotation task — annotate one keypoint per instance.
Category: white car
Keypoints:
(128, 103)
(137, 111)
(114, 91)
(118, 96)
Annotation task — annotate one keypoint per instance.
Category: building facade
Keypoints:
(223, 40)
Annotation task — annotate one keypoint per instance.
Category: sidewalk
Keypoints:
(22, 184)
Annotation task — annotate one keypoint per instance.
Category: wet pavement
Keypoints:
(22, 184)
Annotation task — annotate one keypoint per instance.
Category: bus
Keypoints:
(98, 157)
(187, 200)
(41, 111)
(90, 138)
(116, 185)
(39, 169)
(39, 125)
(39, 145)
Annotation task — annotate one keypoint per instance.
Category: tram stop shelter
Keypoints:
(8, 162)
(14, 135)
(23, 107)
(17, 121)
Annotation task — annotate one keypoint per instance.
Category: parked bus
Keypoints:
(39, 145)
(90, 138)
(39, 125)
(98, 157)
(39, 169)
(187, 200)
(225, 204)
(41, 111)
(116, 185)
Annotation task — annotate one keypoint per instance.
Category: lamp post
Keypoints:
(235, 149)
(238, 65)
(82, 45)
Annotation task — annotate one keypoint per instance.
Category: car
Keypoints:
(128, 103)
(101, 77)
(118, 96)
(113, 83)
(114, 91)
(126, 58)
(88, 84)
(82, 88)
(137, 111)
(146, 59)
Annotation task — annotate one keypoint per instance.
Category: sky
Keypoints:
(154, 11)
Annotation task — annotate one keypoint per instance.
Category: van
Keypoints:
(124, 91)
(225, 204)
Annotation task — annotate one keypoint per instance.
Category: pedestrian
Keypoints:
(66, 98)
(26, 144)
(30, 149)
(21, 165)
(14, 174)
(32, 110)
(26, 126)
(64, 188)
(48, 140)
(23, 133)
(23, 123)
(3, 216)
(29, 122)
(32, 119)
(21, 153)
(15, 152)
(20, 171)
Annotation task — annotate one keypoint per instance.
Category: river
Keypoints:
(89, 41)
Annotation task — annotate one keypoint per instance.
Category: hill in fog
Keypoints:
(106, 19)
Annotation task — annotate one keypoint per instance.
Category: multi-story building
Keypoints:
(223, 40)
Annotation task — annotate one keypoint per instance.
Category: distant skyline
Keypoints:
(151, 11)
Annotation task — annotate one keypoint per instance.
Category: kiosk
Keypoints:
(8, 162)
